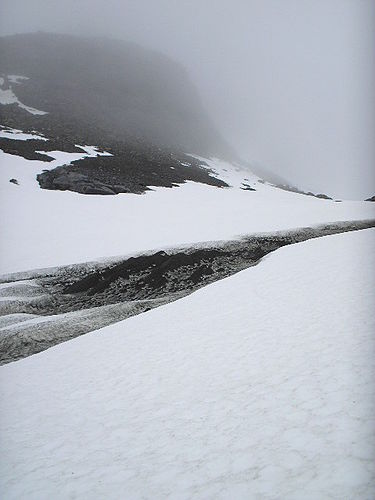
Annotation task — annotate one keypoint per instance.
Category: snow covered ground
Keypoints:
(259, 386)
(43, 228)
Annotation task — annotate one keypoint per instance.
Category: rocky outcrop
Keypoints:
(126, 173)
(65, 180)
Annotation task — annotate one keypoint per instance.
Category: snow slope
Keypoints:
(259, 386)
(43, 228)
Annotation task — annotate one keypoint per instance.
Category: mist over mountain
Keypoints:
(125, 91)
(135, 104)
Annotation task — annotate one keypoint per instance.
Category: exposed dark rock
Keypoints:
(323, 196)
(247, 187)
(92, 295)
(371, 199)
(123, 174)
(299, 191)
(26, 149)
(14, 181)
(63, 179)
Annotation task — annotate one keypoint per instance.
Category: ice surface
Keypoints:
(259, 386)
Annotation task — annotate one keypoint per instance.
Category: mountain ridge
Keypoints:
(134, 103)
(128, 90)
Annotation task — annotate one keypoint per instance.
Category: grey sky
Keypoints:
(289, 83)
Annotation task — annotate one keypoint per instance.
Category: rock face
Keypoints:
(371, 199)
(64, 180)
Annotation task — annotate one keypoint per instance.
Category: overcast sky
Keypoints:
(289, 83)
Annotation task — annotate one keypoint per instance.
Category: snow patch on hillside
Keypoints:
(17, 78)
(231, 173)
(18, 135)
(7, 96)
(258, 386)
(25, 171)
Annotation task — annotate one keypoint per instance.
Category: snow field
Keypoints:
(259, 386)
(42, 228)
